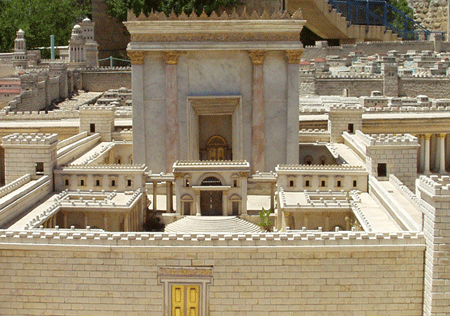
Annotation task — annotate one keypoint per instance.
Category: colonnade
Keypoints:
(432, 153)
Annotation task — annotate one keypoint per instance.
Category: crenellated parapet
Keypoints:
(40, 139)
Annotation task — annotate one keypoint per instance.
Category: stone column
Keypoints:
(292, 149)
(137, 62)
(197, 203)
(64, 219)
(155, 197)
(244, 176)
(422, 153)
(305, 220)
(327, 222)
(86, 219)
(225, 203)
(272, 196)
(105, 221)
(172, 137)
(258, 112)
(126, 222)
(169, 198)
(427, 153)
(442, 152)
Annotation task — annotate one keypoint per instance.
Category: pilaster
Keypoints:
(172, 137)
(258, 112)
(292, 149)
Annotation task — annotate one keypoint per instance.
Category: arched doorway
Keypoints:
(211, 200)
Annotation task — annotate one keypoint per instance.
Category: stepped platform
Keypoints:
(212, 224)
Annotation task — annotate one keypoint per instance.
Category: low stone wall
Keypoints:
(356, 87)
(434, 87)
(93, 273)
(96, 80)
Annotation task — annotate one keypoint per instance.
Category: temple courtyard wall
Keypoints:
(101, 79)
(98, 273)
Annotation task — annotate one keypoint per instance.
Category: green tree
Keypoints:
(119, 8)
(40, 19)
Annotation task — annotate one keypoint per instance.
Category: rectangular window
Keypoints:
(322, 183)
(113, 183)
(82, 182)
(129, 182)
(355, 183)
(235, 183)
(39, 168)
(291, 183)
(92, 128)
(350, 128)
(339, 184)
(97, 183)
(66, 182)
(307, 183)
(187, 208)
(382, 170)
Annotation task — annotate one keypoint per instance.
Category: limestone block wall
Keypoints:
(102, 118)
(434, 87)
(432, 14)
(339, 119)
(435, 202)
(23, 152)
(327, 85)
(96, 80)
(288, 274)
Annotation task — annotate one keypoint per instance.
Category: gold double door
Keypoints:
(185, 300)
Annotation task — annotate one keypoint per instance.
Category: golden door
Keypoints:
(185, 300)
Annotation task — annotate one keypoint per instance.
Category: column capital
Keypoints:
(294, 56)
(137, 57)
(442, 135)
(427, 136)
(257, 56)
(197, 192)
(105, 214)
(171, 57)
(224, 192)
(178, 175)
(244, 174)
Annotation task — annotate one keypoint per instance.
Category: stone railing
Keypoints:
(319, 167)
(365, 224)
(71, 140)
(14, 185)
(435, 185)
(406, 192)
(406, 109)
(395, 209)
(295, 239)
(39, 115)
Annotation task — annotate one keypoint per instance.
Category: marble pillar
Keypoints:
(327, 222)
(272, 196)
(126, 222)
(292, 149)
(422, 153)
(244, 177)
(305, 220)
(172, 137)
(442, 152)
(197, 203)
(86, 219)
(225, 203)
(64, 220)
(169, 197)
(105, 221)
(427, 153)
(258, 112)
(155, 196)
(137, 61)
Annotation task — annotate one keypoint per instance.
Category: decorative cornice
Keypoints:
(215, 37)
(178, 175)
(294, 56)
(257, 56)
(137, 57)
(160, 16)
(171, 57)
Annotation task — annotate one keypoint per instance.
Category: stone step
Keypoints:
(222, 224)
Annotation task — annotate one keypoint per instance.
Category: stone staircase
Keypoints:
(328, 23)
(212, 224)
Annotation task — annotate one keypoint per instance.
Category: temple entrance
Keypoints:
(211, 201)
(215, 137)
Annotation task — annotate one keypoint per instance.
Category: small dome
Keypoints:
(77, 26)
(86, 19)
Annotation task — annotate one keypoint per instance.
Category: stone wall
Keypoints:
(328, 85)
(433, 87)
(431, 13)
(91, 273)
(105, 79)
